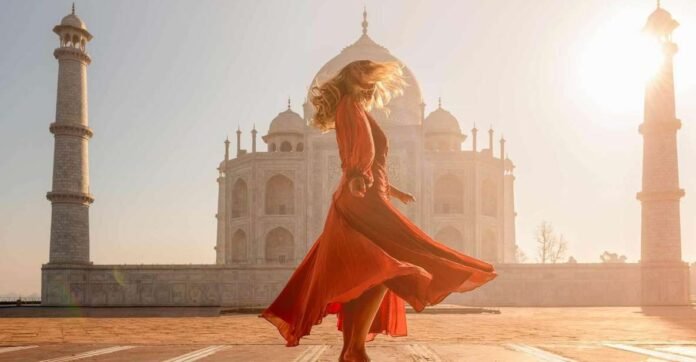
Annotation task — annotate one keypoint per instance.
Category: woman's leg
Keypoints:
(358, 317)
(348, 316)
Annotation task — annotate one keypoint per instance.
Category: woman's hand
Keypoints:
(357, 186)
(404, 197)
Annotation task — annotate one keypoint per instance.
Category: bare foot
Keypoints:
(354, 356)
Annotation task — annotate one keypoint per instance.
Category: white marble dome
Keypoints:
(441, 121)
(287, 122)
(405, 109)
(73, 21)
(660, 23)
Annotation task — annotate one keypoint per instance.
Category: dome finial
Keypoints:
(73, 8)
(658, 4)
(439, 102)
(289, 103)
(364, 22)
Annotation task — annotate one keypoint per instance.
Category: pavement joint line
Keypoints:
(97, 352)
(199, 353)
(539, 353)
(652, 353)
(415, 356)
(428, 352)
(689, 351)
(321, 351)
(312, 353)
(15, 348)
(423, 353)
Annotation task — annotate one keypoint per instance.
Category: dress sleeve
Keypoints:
(354, 137)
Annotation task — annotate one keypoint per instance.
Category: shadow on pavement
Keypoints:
(683, 316)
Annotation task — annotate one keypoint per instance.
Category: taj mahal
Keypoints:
(272, 203)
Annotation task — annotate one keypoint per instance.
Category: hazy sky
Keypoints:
(562, 79)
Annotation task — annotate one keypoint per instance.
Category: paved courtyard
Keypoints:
(516, 334)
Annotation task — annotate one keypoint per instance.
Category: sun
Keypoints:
(615, 63)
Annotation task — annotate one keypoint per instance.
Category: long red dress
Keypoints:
(366, 242)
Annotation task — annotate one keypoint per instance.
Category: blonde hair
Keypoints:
(373, 84)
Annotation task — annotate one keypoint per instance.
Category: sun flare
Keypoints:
(616, 62)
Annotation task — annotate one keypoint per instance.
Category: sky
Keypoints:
(562, 80)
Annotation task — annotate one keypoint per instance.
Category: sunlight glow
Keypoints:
(617, 61)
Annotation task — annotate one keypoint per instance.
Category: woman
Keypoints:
(369, 257)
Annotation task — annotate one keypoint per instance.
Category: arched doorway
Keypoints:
(280, 196)
(449, 195)
(280, 247)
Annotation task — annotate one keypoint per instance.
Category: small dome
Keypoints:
(660, 23)
(73, 21)
(441, 121)
(287, 121)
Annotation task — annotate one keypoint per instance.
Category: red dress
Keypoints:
(366, 242)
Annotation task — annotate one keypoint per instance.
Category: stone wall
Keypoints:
(234, 286)
(558, 285)
(160, 285)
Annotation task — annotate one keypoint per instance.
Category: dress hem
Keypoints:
(292, 339)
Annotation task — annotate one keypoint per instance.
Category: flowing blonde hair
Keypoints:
(373, 84)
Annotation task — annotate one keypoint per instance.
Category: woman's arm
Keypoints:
(404, 197)
(355, 146)
(393, 191)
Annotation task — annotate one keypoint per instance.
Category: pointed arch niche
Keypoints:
(280, 246)
(236, 248)
(280, 196)
(449, 195)
(240, 199)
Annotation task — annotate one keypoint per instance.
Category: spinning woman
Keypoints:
(369, 258)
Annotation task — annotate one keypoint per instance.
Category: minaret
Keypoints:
(502, 151)
(510, 214)
(664, 275)
(475, 199)
(70, 197)
(253, 138)
(239, 141)
(364, 22)
(502, 206)
(222, 212)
